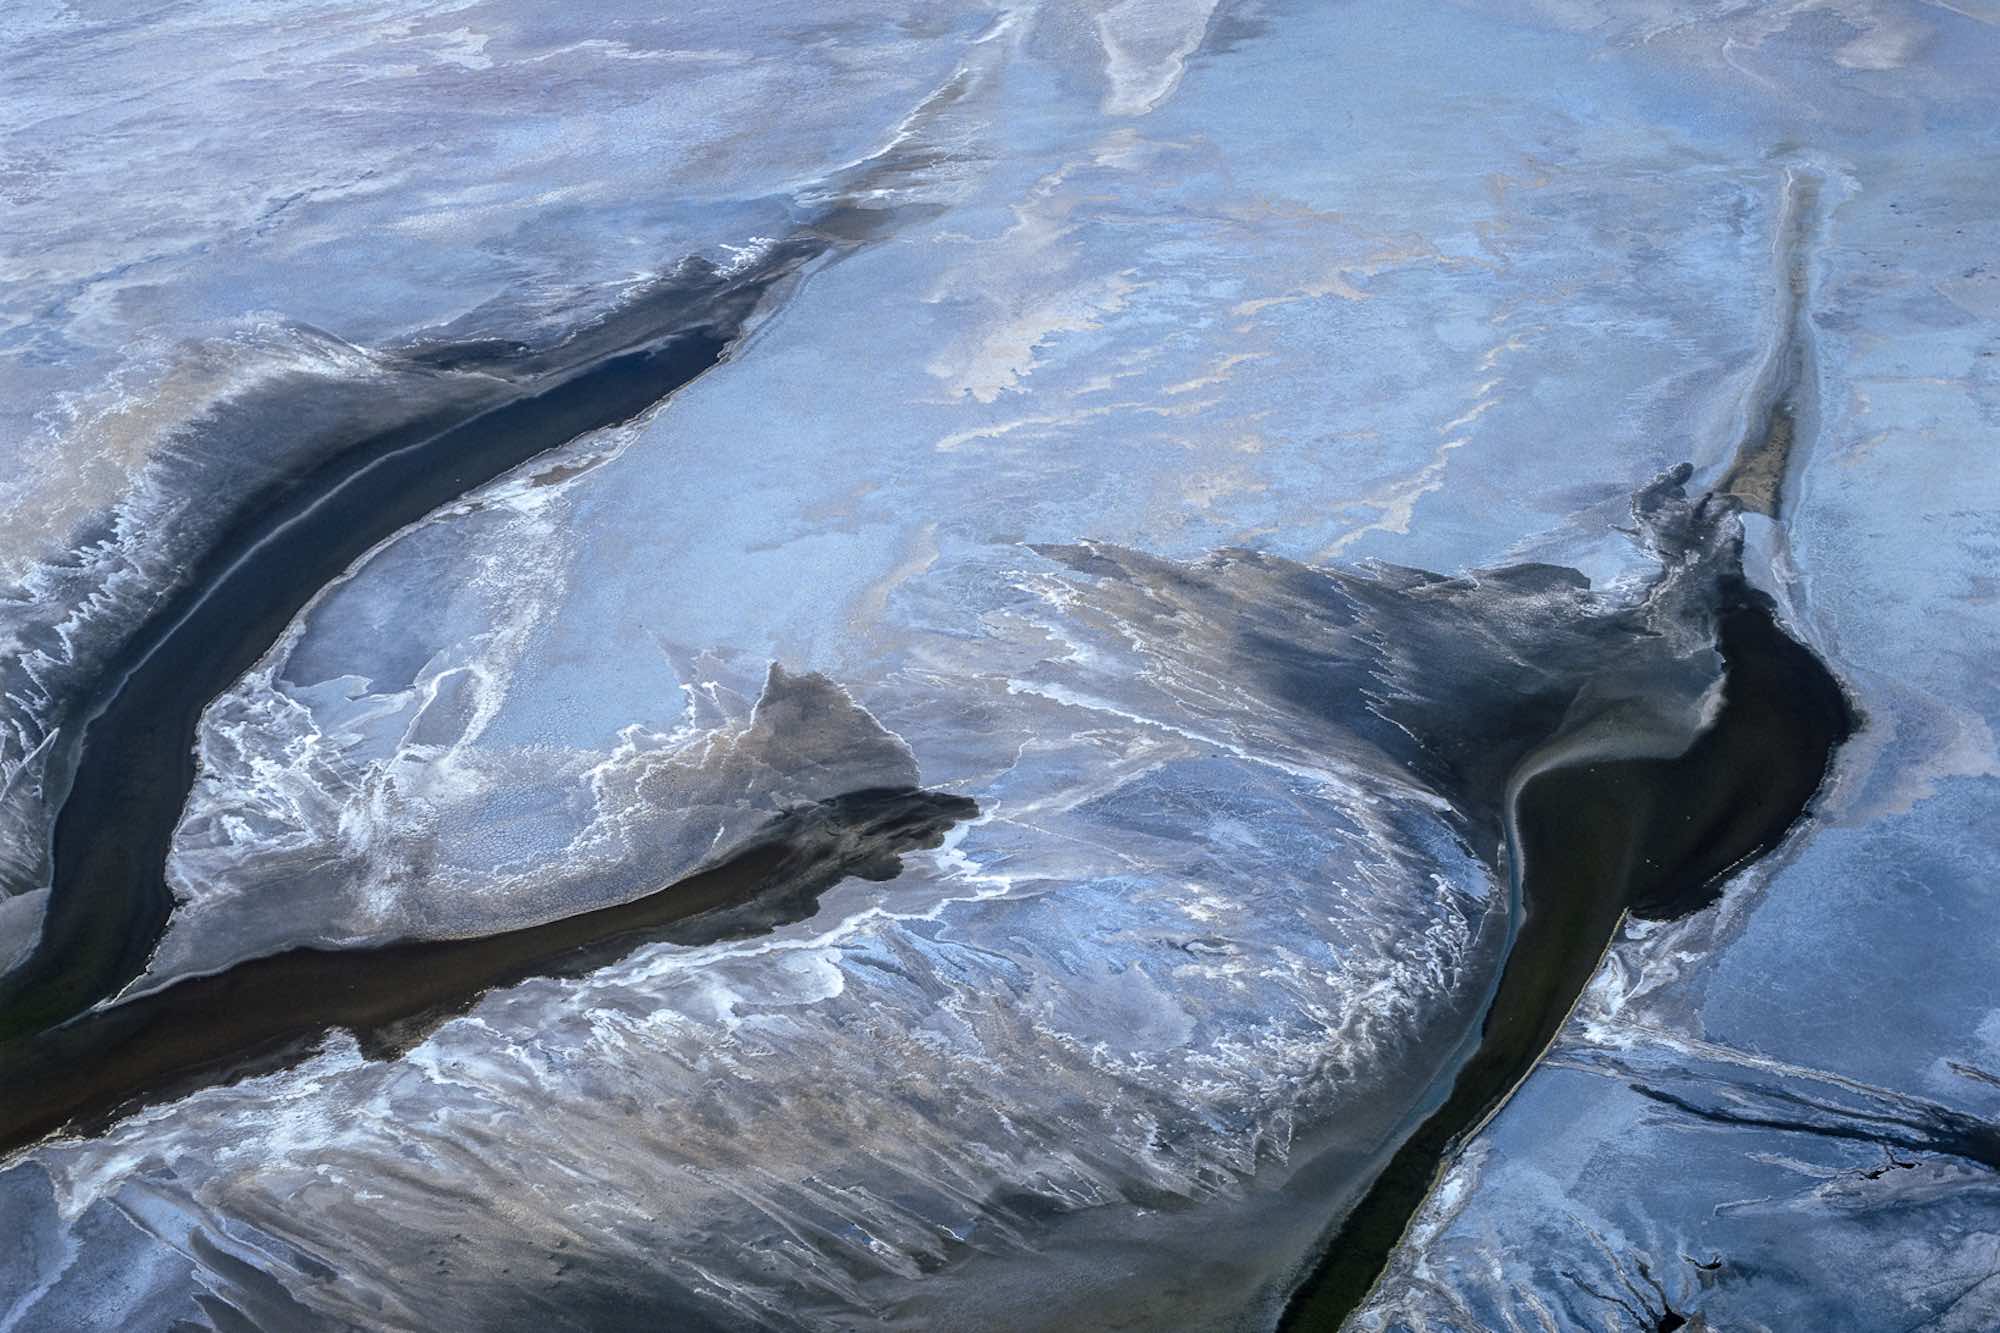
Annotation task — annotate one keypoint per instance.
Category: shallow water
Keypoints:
(1207, 439)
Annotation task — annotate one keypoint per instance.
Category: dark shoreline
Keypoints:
(270, 1012)
(1666, 833)
(135, 754)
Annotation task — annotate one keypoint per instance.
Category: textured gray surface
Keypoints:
(1431, 285)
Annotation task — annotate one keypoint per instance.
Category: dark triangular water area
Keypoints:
(1656, 836)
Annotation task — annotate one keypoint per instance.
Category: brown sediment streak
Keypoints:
(1783, 392)
(270, 1012)
(1593, 841)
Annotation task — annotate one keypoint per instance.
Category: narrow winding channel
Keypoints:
(109, 901)
(266, 1013)
(1655, 838)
